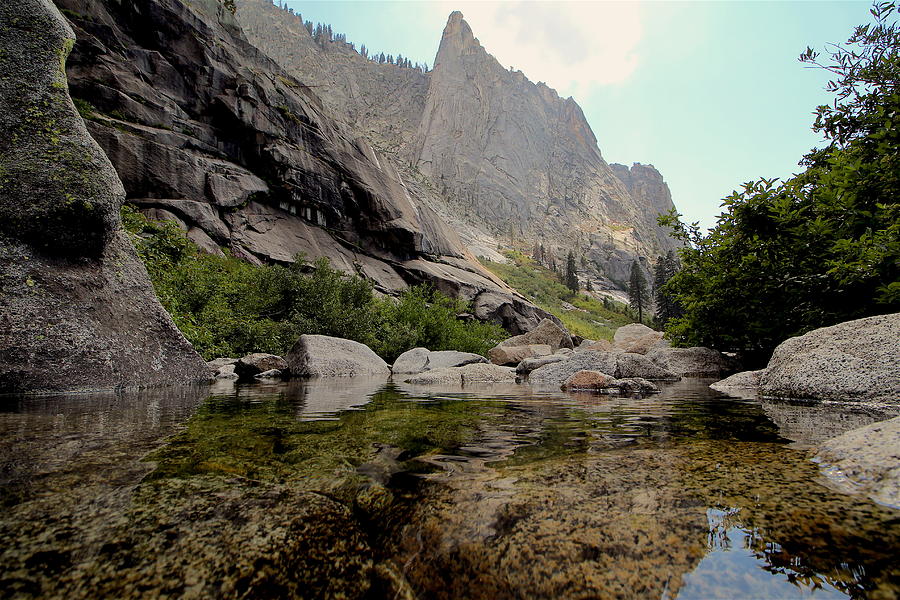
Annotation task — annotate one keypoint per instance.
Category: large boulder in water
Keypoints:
(418, 360)
(693, 362)
(77, 311)
(866, 460)
(326, 356)
(615, 364)
(855, 360)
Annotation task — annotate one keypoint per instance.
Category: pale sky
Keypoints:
(710, 93)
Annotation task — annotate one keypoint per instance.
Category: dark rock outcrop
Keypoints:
(202, 125)
(77, 310)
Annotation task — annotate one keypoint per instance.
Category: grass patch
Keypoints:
(597, 319)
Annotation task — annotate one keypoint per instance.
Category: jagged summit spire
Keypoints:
(457, 35)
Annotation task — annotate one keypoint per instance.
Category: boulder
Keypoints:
(418, 360)
(693, 362)
(252, 365)
(618, 364)
(270, 374)
(588, 381)
(855, 360)
(595, 345)
(745, 381)
(547, 332)
(471, 373)
(866, 460)
(513, 355)
(326, 356)
(77, 310)
(564, 352)
(637, 365)
(530, 364)
(220, 362)
(645, 344)
(226, 372)
(634, 331)
(554, 374)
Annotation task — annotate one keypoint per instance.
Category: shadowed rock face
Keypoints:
(203, 126)
(77, 310)
(500, 155)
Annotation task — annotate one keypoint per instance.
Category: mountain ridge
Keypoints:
(498, 186)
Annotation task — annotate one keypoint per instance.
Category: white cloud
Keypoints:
(571, 46)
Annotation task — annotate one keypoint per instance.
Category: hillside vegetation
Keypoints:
(228, 307)
(591, 318)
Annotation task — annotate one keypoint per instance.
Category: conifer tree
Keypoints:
(571, 275)
(638, 296)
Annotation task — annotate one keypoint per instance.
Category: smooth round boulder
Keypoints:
(513, 355)
(591, 381)
(326, 356)
(852, 361)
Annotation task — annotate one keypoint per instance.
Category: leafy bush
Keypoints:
(228, 307)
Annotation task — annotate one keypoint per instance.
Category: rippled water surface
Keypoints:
(369, 489)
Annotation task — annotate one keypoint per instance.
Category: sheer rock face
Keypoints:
(492, 152)
(77, 310)
(204, 126)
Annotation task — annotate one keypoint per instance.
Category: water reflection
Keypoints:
(736, 567)
(476, 492)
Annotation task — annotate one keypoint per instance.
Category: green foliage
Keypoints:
(571, 274)
(638, 295)
(594, 319)
(822, 247)
(228, 307)
(667, 307)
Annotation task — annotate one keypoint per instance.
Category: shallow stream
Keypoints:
(360, 488)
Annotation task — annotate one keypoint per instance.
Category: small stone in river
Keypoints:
(588, 381)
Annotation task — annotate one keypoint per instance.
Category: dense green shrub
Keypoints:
(822, 247)
(228, 307)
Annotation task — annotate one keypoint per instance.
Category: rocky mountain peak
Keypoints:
(457, 40)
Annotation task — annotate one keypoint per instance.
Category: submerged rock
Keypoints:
(742, 385)
(326, 356)
(866, 460)
(77, 311)
(853, 361)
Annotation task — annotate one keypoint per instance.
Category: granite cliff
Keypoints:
(77, 310)
(206, 130)
(506, 160)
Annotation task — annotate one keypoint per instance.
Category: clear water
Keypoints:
(497, 492)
